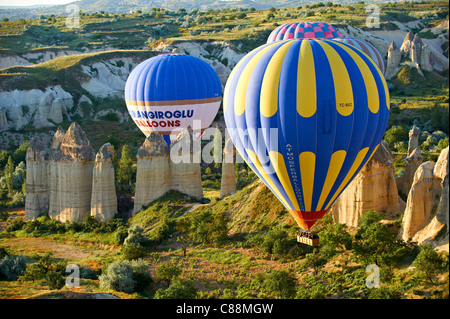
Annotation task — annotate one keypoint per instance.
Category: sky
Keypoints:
(21, 3)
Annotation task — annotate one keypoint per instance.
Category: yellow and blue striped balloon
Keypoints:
(306, 115)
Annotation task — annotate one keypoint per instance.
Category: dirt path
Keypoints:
(26, 245)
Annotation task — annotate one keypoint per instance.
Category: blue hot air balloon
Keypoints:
(306, 115)
(170, 91)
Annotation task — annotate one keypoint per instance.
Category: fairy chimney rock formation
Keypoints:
(407, 42)
(373, 188)
(160, 169)
(413, 143)
(413, 161)
(37, 183)
(103, 199)
(53, 209)
(185, 172)
(423, 199)
(153, 171)
(228, 182)
(74, 160)
(393, 59)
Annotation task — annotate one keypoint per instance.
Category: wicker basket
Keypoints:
(308, 241)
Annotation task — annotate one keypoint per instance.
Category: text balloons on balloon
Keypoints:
(169, 92)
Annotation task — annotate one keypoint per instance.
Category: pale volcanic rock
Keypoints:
(413, 161)
(393, 59)
(228, 182)
(74, 163)
(413, 142)
(37, 183)
(427, 217)
(373, 188)
(423, 199)
(104, 199)
(185, 169)
(153, 171)
(53, 209)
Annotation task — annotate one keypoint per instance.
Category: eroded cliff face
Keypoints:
(160, 169)
(74, 164)
(103, 199)
(373, 188)
(228, 182)
(426, 213)
(37, 183)
(153, 171)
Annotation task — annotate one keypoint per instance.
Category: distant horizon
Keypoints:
(33, 3)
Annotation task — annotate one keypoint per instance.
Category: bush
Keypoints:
(179, 289)
(132, 251)
(126, 276)
(167, 272)
(118, 276)
(135, 236)
(11, 267)
(55, 279)
(395, 135)
(281, 284)
(275, 242)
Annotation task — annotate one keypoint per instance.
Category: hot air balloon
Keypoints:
(368, 49)
(303, 30)
(170, 91)
(306, 115)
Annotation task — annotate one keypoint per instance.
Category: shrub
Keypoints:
(428, 262)
(125, 276)
(132, 251)
(118, 276)
(55, 279)
(275, 242)
(11, 267)
(135, 236)
(281, 284)
(167, 272)
(179, 289)
(395, 135)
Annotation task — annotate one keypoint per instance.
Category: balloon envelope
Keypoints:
(368, 49)
(170, 91)
(306, 115)
(303, 30)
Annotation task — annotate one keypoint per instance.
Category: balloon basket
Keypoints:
(308, 238)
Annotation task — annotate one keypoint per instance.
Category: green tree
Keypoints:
(315, 260)
(167, 272)
(125, 171)
(428, 262)
(179, 289)
(395, 135)
(281, 284)
(20, 152)
(334, 239)
(9, 176)
(375, 243)
(275, 242)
